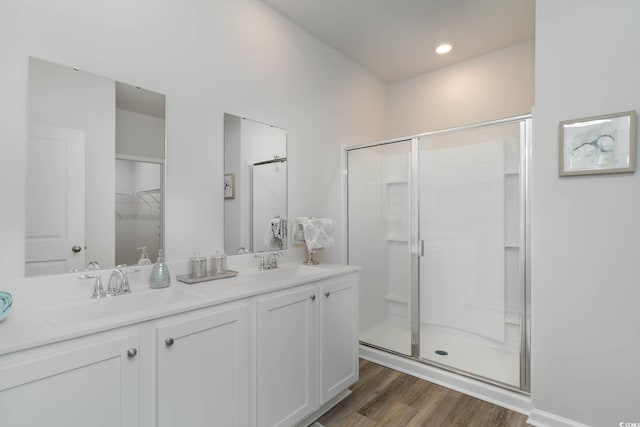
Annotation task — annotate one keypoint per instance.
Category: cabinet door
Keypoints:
(84, 382)
(286, 355)
(338, 335)
(203, 369)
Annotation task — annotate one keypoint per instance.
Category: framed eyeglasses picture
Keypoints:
(229, 185)
(598, 144)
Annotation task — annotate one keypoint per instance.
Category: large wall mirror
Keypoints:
(255, 186)
(95, 170)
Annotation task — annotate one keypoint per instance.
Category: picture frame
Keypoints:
(229, 186)
(598, 144)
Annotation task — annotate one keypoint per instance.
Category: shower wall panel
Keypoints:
(462, 225)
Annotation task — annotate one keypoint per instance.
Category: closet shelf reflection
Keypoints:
(396, 238)
(130, 205)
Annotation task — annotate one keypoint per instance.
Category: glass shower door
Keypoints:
(379, 204)
(470, 292)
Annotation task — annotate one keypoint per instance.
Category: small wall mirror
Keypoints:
(95, 170)
(255, 186)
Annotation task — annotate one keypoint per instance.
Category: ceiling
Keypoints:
(396, 39)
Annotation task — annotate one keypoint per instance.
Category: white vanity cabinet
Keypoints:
(91, 381)
(307, 349)
(338, 335)
(247, 353)
(286, 356)
(203, 368)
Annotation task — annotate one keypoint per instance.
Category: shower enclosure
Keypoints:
(438, 223)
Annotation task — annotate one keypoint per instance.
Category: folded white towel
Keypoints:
(317, 233)
(297, 233)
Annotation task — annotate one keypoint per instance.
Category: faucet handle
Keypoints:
(125, 289)
(114, 283)
(273, 258)
(98, 289)
(124, 282)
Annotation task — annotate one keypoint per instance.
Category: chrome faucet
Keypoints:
(273, 259)
(271, 262)
(93, 265)
(118, 283)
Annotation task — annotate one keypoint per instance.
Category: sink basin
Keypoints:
(93, 310)
(289, 273)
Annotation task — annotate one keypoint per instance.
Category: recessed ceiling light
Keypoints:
(443, 48)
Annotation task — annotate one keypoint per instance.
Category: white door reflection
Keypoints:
(55, 200)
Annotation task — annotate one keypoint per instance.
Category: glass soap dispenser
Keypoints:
(144, 258)
(160, 277)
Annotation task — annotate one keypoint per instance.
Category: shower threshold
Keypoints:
(471, 356)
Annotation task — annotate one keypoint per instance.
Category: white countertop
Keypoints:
(55, 308)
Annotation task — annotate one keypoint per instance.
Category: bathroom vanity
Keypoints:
(261, 349)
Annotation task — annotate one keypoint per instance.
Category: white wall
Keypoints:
(207, 62)
(493, 86)
(586, 231)
(62, 97)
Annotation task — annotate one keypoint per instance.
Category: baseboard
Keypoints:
(507, 399)
(540, 418)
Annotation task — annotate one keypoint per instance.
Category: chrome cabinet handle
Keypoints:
(326, 294)
(313, 297)
(131, 353)
(169, 342)
(75, 249)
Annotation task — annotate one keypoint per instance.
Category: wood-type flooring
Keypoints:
(385, 397)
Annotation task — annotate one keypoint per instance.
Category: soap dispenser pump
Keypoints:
(144, 258)
(160, 277)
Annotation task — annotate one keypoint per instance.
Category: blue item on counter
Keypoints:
(5, 303)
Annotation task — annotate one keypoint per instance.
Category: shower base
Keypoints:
(463, 354)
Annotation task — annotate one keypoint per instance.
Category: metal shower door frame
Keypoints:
(417, 245)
